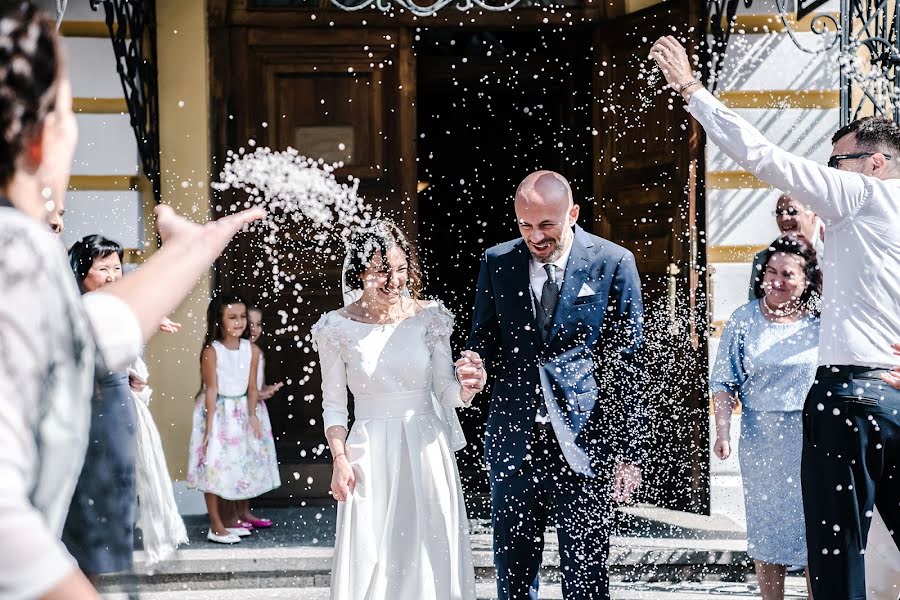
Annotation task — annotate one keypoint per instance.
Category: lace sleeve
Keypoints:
(328, 332)
(42, 337)
(439, 324)
(332, 342)
(438, 329)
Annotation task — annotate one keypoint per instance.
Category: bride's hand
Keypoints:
(470, 372)
(343, 481)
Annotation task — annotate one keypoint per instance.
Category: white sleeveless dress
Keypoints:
(229, 466)
(403, 532)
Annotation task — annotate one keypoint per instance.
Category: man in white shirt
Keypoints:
(851, 445)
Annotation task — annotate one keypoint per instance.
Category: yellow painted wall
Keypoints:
(173, 359)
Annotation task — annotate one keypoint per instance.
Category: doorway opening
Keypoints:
(492, 107)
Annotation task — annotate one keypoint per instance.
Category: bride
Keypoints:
(402, 530)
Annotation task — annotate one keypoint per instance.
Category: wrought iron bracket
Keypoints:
(132, 29)
(426, 10)
(868, 32)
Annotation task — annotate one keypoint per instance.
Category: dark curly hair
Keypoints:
(380, 237)
(798, 246)
(84, 251)
(31, 62)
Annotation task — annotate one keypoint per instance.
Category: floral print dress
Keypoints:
(231, 465)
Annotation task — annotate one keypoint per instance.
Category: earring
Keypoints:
(47, 195)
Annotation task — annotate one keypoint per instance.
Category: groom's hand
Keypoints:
(626, 481)
(470, 371)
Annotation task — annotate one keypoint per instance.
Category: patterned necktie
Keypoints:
(550, 293)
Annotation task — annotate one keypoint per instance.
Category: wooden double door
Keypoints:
(439, 125)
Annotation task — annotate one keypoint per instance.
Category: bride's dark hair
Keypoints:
(379, 237)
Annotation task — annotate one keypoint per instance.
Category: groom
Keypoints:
(557, 322)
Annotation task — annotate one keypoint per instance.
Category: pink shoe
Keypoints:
(245, 524)
(259, 523)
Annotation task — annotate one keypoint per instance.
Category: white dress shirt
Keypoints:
(861, 267)
(538, 275)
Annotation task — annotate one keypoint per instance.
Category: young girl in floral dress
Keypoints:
(266, 460)
(226, 429)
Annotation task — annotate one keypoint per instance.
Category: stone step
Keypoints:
(652, 544)
(486, 590)
(634, 559)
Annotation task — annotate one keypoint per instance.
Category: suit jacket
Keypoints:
(590, 358)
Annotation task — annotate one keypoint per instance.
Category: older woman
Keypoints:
(767, 361)
(51, 340)
(99, 530)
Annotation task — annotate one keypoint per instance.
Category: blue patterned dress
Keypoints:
(770, 367)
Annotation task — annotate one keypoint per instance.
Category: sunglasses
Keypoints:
(791, 212)
(835, 160)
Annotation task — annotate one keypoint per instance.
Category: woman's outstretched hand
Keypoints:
(169, 273)
(211, 237)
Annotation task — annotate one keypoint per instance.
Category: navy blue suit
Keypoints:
(593, 374)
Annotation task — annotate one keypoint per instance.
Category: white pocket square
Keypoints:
(585, 290)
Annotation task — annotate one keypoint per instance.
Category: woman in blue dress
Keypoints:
(767, 359)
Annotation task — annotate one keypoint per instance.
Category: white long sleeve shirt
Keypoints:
(861, 266)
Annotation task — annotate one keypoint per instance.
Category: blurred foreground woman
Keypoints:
(51, 339)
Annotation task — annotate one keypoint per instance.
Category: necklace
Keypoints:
(781, 312)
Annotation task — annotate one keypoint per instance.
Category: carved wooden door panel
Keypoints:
(646, 153)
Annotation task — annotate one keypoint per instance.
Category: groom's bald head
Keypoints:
(546, 213)
(547, 188)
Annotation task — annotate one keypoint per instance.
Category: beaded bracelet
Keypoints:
(685, 86)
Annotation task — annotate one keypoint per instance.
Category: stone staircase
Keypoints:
(650, 545)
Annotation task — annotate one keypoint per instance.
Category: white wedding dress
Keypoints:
(403, 533)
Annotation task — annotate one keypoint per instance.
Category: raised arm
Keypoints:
(832, 194)
(187, 252)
